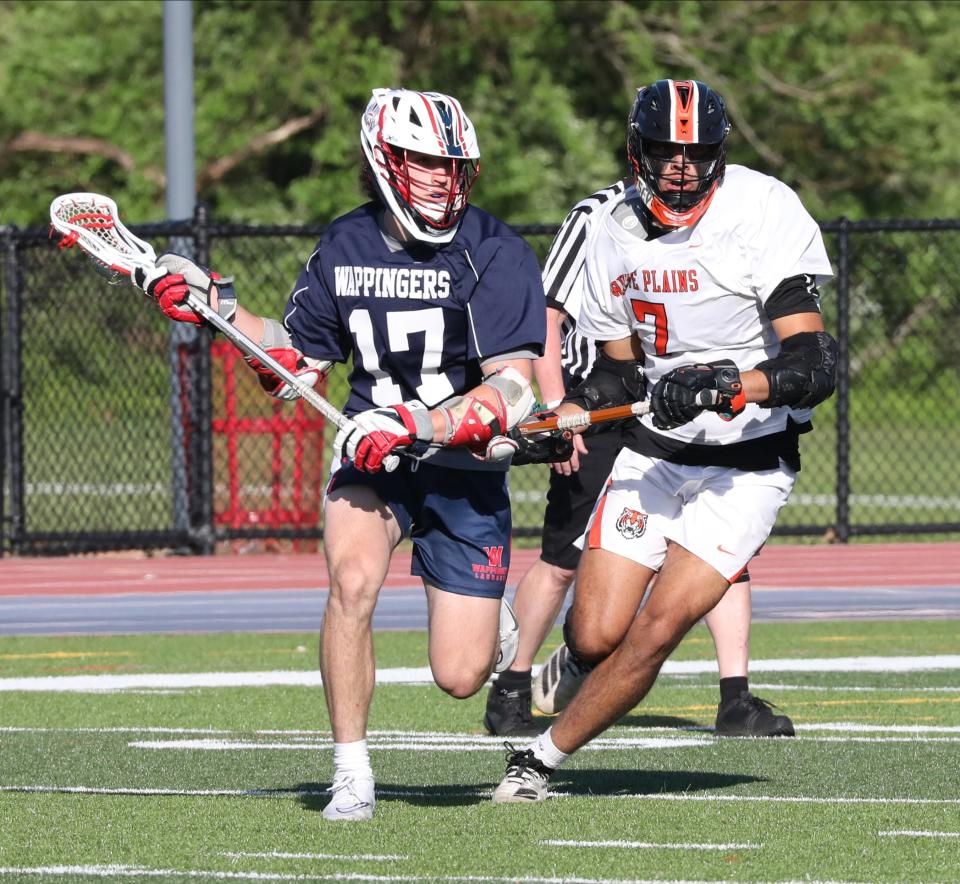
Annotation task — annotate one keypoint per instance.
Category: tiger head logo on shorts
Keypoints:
(631, 523)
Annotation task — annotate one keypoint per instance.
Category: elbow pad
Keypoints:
(803, 373)
(610, 382)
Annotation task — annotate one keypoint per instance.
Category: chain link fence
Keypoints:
(121, 430)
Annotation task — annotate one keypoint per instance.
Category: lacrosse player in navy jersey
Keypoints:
(439, 306)
(707, 274)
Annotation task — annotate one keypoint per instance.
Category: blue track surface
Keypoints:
(300, 610)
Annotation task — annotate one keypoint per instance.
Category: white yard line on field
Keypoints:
(649, 845)
(907, 834)
(118, 871)
(469, 744)
(789, 799)
(191, 793)
(413, 745)
(773, 686)
(916, 739)
(422, 675)
(467, 792)
(857, 727)
(395, 739)
(357, 857)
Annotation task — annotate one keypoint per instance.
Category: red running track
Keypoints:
(824, 566)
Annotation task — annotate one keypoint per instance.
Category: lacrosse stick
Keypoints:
(92, 222)
(583, 419)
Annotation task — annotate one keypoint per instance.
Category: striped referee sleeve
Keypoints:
(563, 270)
(563, 280)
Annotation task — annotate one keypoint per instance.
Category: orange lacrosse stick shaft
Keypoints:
(586, 419)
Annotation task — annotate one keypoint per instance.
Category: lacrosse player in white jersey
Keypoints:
(575, 484)
(707, 274)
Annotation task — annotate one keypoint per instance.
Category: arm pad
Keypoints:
(803, 373)
(610, 382)
(472, 421)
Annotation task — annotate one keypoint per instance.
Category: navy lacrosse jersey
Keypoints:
(418, 321)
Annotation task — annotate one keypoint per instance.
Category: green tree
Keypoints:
(848, 102)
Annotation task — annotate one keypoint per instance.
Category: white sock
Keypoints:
(544, 749)
(352, 759)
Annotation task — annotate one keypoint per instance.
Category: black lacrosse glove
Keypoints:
(683, 393)
(552, 446)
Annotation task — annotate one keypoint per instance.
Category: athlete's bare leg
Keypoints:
(464, 639)
(538, 600)
(356, 575)
(729, 624)
(686, 589)
(608, 593)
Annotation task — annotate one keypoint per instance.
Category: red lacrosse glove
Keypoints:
(170, 292)
(306, 369)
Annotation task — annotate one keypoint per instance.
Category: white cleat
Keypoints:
(509, 637)
(557, 682)
(525, 781)
(353, 799)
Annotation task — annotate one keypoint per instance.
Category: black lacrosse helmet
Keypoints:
(675, 145)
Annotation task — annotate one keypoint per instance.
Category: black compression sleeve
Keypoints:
(796, 294)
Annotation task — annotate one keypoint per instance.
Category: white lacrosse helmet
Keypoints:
(398, 122)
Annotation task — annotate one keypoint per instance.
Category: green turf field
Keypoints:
(173, 783)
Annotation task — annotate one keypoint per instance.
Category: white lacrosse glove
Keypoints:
(371, 436)
(498, 448)
(175, 277)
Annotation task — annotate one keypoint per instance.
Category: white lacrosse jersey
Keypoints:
(697, 294)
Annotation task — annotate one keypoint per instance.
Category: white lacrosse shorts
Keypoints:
(721, 515)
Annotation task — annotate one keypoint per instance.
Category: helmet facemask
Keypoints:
(433, 199)
(423, 158)
(676, 138)
(680, 175)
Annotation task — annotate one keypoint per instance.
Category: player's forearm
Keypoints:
(249, 323)
(246, 322)
(756, 387)
(547, 369)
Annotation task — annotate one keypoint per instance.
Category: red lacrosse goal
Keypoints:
(268, 455)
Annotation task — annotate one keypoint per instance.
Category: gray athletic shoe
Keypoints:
(525, 780)
(353, 799)
(557, 682)
(509, 637)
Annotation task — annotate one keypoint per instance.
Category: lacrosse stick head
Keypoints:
(91, 221)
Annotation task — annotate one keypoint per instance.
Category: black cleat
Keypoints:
(750, 716)
(509, 713)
